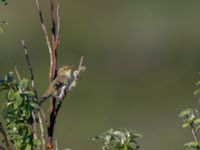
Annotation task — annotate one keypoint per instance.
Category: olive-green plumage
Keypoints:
(64, 77)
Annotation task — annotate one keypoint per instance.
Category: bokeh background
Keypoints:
(142, 58)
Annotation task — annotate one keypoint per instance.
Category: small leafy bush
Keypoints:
(119, 140)
(17, 112)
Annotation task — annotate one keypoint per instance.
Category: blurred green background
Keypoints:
(142, 60)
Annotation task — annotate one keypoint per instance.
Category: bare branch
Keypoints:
(30, 69)
(53, 72)
(45, 32)
(53, 29)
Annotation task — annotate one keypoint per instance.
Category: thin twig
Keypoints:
(58, 23)
(5, 137)
(53, 53)
(34, 126)
(36, 96)
(30, 68)
(53, 19)
(44, 117)
(42, 131)
(17, 72)
(45, 32)
(194, 134)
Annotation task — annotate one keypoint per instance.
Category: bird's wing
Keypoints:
(50, 89)
(61, 79)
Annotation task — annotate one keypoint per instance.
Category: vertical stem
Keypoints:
(53, 74)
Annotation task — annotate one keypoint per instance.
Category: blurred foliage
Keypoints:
(119, 140)
(5, 2)
(191, 119)
(1, 31)
(17, 112)
(4, 22)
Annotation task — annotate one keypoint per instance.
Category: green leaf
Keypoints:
(192, 144)
(197, 121)
(197, 128)
(11, 95)
(1, 31)
(185, 113)
(198, 83)
(26, 112)
(196, 92)
(23, 84)
(28, 147)
(18, 100)
(185, 125)
(37, 142)
(35, 105)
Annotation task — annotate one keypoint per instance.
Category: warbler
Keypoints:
(64, 78)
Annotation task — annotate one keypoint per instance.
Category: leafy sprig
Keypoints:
(119, 140)
(5, 2)
(191, 119)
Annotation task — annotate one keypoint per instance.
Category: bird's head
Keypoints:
(64, 70)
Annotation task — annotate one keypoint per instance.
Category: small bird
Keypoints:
(64, 78)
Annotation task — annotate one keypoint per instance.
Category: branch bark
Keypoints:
(53, 72)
